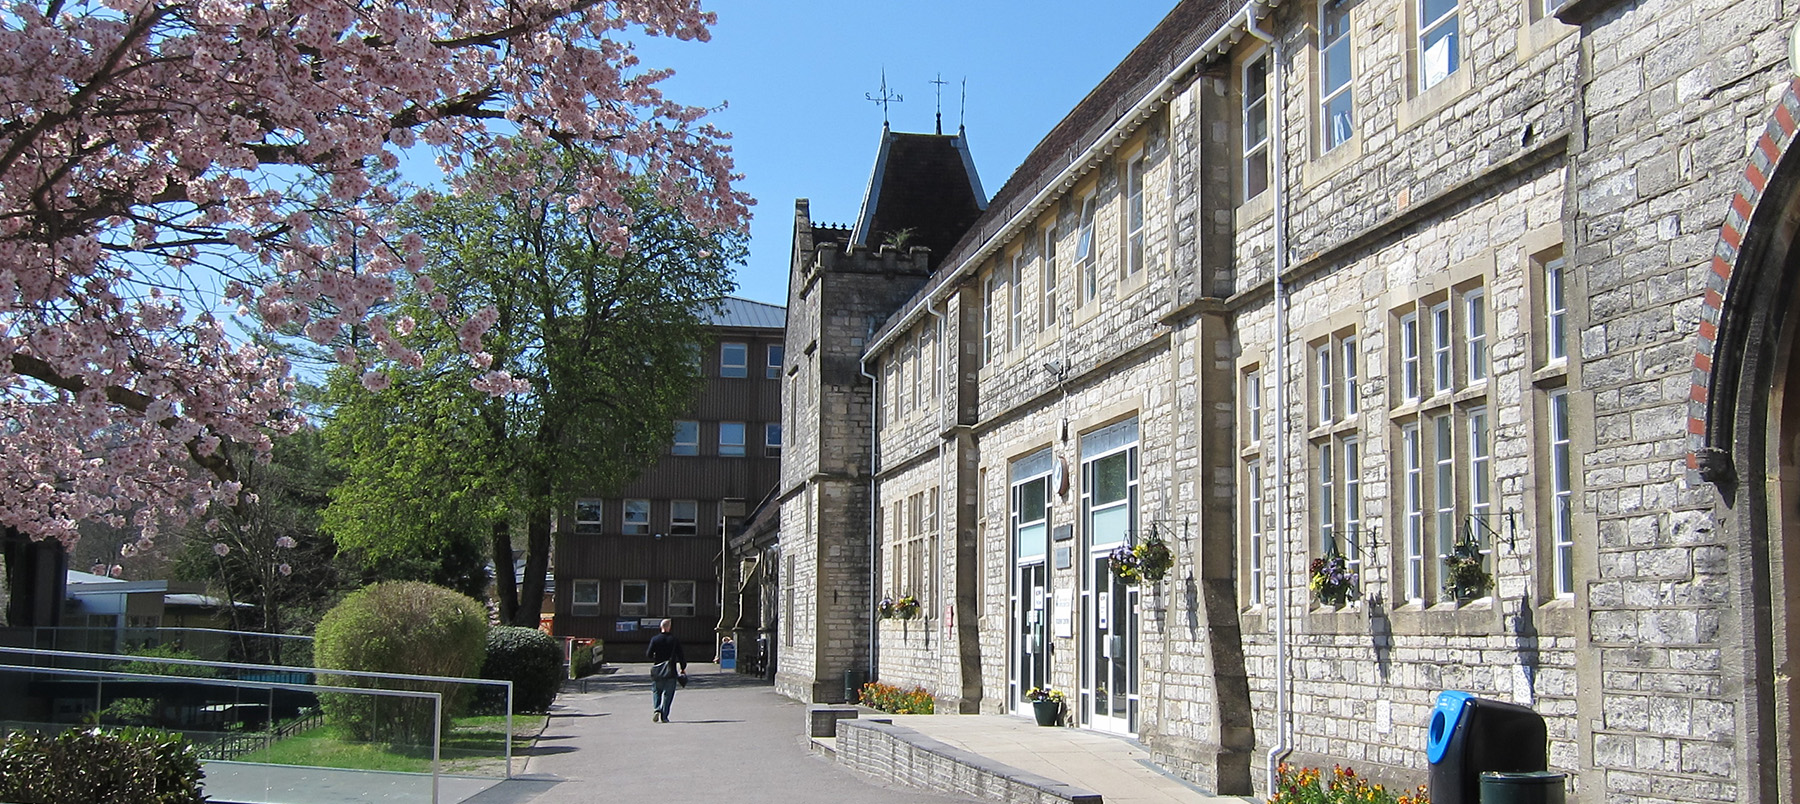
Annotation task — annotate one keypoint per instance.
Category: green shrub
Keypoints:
(399, 627)
(92, 766)
(585, 660)
(889, 698)
(531, 660)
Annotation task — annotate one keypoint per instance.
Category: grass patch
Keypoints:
(474, 745)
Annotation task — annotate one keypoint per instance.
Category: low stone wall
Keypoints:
(900, 755)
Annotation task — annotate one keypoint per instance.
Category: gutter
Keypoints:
(862, 367)
(1218, 44)
(1284, 716)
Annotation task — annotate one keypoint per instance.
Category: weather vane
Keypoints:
(884, 98)
(938, 83)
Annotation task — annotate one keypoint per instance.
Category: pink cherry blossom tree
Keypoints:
(170, 167)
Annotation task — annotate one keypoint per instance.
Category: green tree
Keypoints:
(605, 339)
(267, 551)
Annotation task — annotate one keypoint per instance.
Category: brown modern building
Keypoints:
(627, 559)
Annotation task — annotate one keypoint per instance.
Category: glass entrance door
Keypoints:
(1031, 655)
(1109, 645)
(1112, 649)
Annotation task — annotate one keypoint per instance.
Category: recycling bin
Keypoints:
(1534, 787)
(1468, 736)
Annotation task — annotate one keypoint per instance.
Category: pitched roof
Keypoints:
(735, 312)
(1180, 33)
(922, 182)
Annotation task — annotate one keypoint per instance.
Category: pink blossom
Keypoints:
(285, 542)
(143, 188)
(221, 549)
(376, 380)
(284, 569)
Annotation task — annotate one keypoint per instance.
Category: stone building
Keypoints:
(1484, 301)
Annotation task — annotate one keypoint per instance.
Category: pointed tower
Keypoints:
(843, 285)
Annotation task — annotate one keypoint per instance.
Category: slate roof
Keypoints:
(735, 312)
(923, 182)
(1172, 40)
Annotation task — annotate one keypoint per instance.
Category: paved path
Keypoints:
(732, 740)
(1117, 768)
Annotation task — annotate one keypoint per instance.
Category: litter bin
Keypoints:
(853, 684)
(1535, 787)
(1468, 736)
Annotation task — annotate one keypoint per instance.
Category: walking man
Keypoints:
(668, 665)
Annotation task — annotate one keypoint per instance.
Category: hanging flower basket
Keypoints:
(1465, 576)
(904, 608)
(1148, 560)
(1332, 583)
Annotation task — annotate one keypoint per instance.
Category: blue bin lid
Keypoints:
(1451, 705)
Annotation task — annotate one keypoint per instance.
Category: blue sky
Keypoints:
(794, 73)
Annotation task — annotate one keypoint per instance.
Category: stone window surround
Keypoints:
(1537, 249)
(1418, 418)
(1331, 434)
(1252, 367)
(911, 546)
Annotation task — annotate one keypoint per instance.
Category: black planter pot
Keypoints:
(1046, 711)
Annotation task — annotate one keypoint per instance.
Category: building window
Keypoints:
(1109, 483)
(681, 598)
(1335, 380)
(1256, 126)
(1440, 43)
(684, 518)
(1481, 475)
(921, 357)
(1442, 376)
(1252, 407)
(734, 360)
(1134, 216)
(1031, 506)
(584, 598)
(587, 516)
(687, 438)
(990, 297)
(731, 439)
(772, 439)
(637, 517)
(1413, 511)
(1015, 302)
(1556, 310)
(1352, 535)
(1254, 532)
(1085, 255)
(777, 355)
(1409, 357)
(1336, 97)
(1475, 327)
(890, 392)
(1047, 282)
(634, 598)
(1325, 505)
(1562, 493)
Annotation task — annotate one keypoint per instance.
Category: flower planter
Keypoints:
(1046, 712)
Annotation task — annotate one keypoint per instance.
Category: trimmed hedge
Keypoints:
(531, 660)
(399, 627)
(94, 766)
(587, 661)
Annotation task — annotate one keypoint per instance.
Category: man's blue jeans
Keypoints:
(662, 694)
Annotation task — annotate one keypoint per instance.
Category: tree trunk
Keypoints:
(505, 583)
(537, 564)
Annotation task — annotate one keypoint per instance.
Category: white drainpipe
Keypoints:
(862, 367)
(1284, 727)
